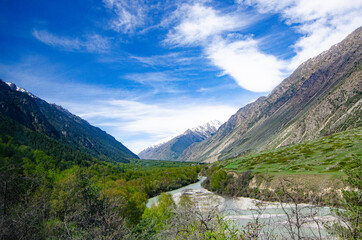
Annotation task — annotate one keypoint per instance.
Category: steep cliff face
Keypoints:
(173, 148)
(322, 96)
(59, 124)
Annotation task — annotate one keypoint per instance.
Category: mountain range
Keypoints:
(172, 149)
(32, 121)
(322, 96)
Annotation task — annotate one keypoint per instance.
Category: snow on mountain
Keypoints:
(207, 128)
(19, 89)
(172, 148)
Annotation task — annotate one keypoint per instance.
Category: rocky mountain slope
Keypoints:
(29, 114)
(322, 96)
(172, 149)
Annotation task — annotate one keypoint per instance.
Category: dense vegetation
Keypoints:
(23, 136)
(185, 220)
(327, 155)
(46, 198)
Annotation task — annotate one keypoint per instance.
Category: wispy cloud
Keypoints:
(322, 24)
(170, 59)
(198, 23)
(236, 55)
(155, 121)
(130, 14)
(161, 82)
(91, 43)
(151, 77)
(54, 83)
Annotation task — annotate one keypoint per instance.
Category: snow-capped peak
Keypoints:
(203, 130)
(209, 127)
(19, 89)
(160, 143)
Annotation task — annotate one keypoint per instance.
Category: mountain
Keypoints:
(34, 122)
(172, 149)
(322, 96)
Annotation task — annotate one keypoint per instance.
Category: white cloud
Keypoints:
(91, 43)
(199, 23)
(322, 24)
(151, 77)
(52, 40)
(130, 14)
(159, 121)
(242, 60)
(161, 82)
(298, 11)
(170, 59)
(53, 83)
(234, 54)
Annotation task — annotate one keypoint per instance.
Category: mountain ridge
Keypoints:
(59, 124)
(171, 149)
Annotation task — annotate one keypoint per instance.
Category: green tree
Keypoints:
(218, 180)
(348, 225)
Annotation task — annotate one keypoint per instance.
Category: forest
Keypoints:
(48, 198)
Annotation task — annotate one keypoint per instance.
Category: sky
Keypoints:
(145, 71)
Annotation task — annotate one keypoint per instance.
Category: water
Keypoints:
(274, 219)
(242, 210)
(193, 186)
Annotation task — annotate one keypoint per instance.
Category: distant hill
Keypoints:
(172, 149)
(32, 121)
(322, 96)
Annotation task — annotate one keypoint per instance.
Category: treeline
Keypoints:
(61, 152)
(47, 198)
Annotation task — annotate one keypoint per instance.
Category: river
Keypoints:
(241, 210)
(193, 186)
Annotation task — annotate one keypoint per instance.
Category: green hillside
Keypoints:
(33, 122)
(327, 155)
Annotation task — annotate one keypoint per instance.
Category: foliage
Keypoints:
(185, 220)
(218, 180)
(47, 198)
(327, 155)
(348, 224)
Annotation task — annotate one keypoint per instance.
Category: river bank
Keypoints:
(273, 216)
(196, 185)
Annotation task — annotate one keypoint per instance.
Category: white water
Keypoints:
(242, 210)
(193, 186)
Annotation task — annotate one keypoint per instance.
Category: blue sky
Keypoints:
(145, 71)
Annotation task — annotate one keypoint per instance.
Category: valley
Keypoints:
(286, 165)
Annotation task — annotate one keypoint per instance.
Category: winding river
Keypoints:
(241, 210)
